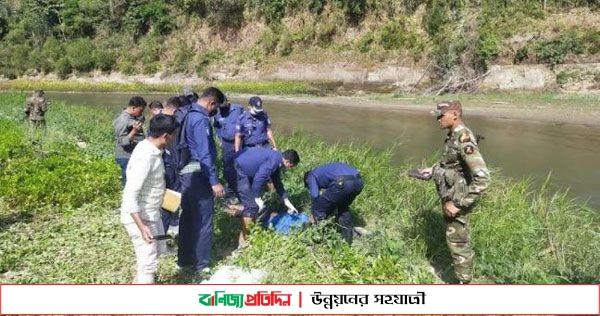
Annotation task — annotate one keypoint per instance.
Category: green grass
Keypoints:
(256, 87)
(64, 229)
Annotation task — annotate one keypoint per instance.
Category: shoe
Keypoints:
(232, 200)
(173, 231)
(171, 250)
(233, 210)
(359, 231)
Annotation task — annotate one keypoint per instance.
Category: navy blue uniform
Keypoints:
(253, 129)
(171, 176)
(225, 124)
(255, 167)
(197, 200)
(341, 183)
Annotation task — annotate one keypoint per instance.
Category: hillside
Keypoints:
(416, 45)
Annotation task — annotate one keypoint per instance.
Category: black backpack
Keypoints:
(181, 153)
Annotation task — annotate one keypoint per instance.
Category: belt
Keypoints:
(227, 140)
(192, 166)
(348, 177)
(254, 145)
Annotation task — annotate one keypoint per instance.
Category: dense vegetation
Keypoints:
(58, 222)
(457, 39)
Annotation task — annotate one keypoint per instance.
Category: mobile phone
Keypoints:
(161, 237)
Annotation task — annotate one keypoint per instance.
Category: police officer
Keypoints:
(225, 123)
(173, 107)
(254, 167)
(254, 127)
(35, 109)
(461, 176)
(187, 97)
(341, 183)
(199, 183)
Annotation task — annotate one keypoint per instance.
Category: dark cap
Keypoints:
(446, 106)
(256, 104)
(225, 102)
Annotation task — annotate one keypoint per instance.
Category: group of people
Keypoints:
(180, 153)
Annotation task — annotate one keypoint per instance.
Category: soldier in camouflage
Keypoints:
(35, 109)
(461, 176)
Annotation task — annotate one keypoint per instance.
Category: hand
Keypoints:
(260, 203)
(218, 190)
(274, 148)
(450, 209)
(147, 234)
(291, 208)
(426, 170)
(137, 125)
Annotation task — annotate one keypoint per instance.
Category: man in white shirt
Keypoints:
(143, 194)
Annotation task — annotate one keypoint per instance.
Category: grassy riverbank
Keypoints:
(58, 221)
(542, 106)
(256, 87)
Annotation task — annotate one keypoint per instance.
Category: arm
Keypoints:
(480, 177)
(123, 137)
(271, 138)
(238, 142)
(261, 178)
(276, 178)
(146, 233)
(313, 187)
(45, 104)
(137, 171)
(237, 145)
(28, 107)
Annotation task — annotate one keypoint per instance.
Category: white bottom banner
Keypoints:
(300, 299)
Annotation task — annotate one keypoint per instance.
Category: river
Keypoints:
(517, 149)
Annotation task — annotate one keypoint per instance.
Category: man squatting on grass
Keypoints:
(142, 196)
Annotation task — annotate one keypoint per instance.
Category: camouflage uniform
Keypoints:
(460, 176)
(35, 108)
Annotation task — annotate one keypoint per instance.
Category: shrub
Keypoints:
(202, 61)
(555, 51)
(104, 60)
(365, 42)
(269, 39)
(521, 54)
(80, 54)
(226, 13)
(435, 17)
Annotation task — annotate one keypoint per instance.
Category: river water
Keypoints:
(519, 149)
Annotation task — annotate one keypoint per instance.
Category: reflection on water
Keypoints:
(519, 149)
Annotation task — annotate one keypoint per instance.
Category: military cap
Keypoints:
(446, 106)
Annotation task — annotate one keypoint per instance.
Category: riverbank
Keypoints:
(537, 238)
(547, 107)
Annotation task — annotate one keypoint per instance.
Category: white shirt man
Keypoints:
(143, 194)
